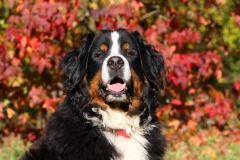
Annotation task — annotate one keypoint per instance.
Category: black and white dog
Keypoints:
(112, 83)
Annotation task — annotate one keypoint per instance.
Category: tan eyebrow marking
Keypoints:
(104, 47)
(125, 46)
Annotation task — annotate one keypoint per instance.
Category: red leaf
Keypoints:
(35, 95)
(236, 85)
(76, 4)
(32, 136)
(203, 21)
(183, 80)
(42, 64)
(173, 78)
(19, 8)
(72, 17)
(212, 112)
(16, 62)
(24, 41)
(192, 124)
(176, 102)
(218, 73)
(137, 5)
(184, 1)
(161, 26)
(192, 91)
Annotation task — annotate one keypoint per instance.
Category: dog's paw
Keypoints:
(91, 112)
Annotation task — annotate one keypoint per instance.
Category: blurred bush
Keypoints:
(199, 40)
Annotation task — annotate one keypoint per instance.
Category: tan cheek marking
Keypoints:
(125, 46)
(137, 93)
(93, 91)
(104, 48)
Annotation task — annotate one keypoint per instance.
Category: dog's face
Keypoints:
(115, 58)
(116, 68)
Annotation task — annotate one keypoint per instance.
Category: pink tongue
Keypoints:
(116, 87)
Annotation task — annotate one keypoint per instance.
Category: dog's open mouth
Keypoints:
(116, 90)
(116, 86)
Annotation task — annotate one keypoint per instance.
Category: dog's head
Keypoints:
(114, 69)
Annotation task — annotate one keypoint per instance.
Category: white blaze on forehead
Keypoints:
(115, 51)
(115, 45)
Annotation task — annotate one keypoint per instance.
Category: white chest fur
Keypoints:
(132, 148)
(129, 148)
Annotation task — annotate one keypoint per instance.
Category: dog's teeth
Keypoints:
(95, 109)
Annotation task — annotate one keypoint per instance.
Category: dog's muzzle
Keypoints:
(116, 76)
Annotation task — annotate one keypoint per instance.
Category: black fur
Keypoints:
(68, 135)
(152, 62)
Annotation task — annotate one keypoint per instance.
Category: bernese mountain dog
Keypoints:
(112, 82)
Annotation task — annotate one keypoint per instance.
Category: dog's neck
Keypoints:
(117, 104)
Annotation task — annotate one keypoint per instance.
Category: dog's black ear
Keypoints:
(152, 62)
(74, 63)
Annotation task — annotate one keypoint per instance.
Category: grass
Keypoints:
(213, 149)
(13, 147)
(204, 153)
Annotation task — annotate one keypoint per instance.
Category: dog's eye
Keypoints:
(100, 54)
(129, 53)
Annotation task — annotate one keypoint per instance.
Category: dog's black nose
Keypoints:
(115, 63)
